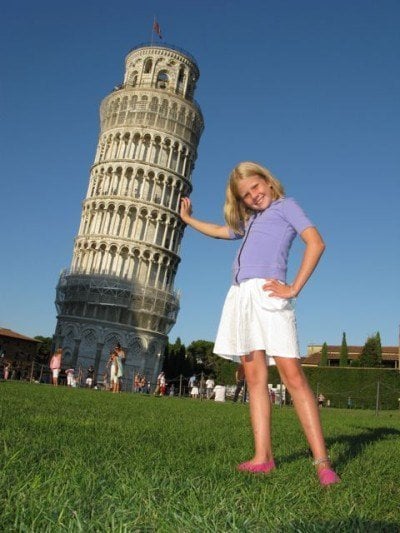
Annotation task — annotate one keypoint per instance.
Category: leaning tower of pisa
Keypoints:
(120, 286)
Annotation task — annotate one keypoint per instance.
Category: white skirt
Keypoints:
(253, 320)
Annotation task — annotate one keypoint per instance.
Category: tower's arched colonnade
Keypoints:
(120, 287)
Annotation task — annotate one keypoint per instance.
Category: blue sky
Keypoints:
(308, 88)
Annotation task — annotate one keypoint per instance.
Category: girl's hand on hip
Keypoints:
(277, 289)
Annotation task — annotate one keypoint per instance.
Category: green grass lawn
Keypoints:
(84, 460)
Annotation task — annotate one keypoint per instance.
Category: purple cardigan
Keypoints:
(267, 240)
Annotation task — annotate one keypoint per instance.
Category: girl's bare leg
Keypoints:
(306, 406)
(256, 373)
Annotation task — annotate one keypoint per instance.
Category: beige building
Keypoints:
(120, 287)
(390, 355)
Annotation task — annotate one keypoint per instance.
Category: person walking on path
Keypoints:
(258, 326)
(55, 366)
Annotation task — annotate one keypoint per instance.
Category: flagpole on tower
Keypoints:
(155, 29)
(152, 30)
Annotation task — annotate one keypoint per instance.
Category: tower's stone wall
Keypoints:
(120, 287)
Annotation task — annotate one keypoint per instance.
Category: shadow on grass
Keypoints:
(353, 444)
(353, 525)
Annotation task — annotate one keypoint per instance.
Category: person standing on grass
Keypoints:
(210, 384)
(112, 364)
(6, 369)
(120, 365)
(321, 399)
(163, 384)
(90, 377)
(239, 376)
(192, 381)
(70, 373)
(258, 326)
(55, 366)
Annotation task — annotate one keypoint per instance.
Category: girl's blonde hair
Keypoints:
(235, 211)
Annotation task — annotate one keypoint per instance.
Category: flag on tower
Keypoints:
(156, 28)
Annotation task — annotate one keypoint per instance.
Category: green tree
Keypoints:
(344, 353)
(201, 355)
(378, 348)
(43, 352)
(174, 362)
(324, 355)
(371, 354)
(167, 363)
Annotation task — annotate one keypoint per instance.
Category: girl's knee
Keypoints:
(255, 369)
(254, 381)
(296, 381)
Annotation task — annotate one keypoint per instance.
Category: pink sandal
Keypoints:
(327, 476)
(259, 468)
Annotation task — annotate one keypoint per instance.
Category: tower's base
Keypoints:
(95, 312)
(88, 343)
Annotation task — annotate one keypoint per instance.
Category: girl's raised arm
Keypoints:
(207, 228)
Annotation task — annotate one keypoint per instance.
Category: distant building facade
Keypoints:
(120, 287)
(17, 349)
(390, 355)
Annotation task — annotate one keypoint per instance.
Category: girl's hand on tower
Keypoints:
(186, 208)
(277, 289)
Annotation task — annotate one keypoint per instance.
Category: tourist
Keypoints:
(6, 369)
(55, 366)
(258, 326)
(136, 382)
(163, 384)
(160, 385)
(321, 400)
(210, 384)
(143, 385)
(194, 391)
(90, 377)
(349, 403)
(70, 373)
(192, 381)
(120, 365)
(239, 376)
(112, 364)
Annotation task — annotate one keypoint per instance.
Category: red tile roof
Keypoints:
(4, 332)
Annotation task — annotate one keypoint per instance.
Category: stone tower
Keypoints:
(120, 287)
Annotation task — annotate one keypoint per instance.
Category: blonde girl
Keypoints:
(258, 326)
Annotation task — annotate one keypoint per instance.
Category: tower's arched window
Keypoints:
(154, 104)
(162, 79)
(181, 79)
(133, 78)
(148, 66)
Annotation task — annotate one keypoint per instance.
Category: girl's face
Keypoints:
(255, 193)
